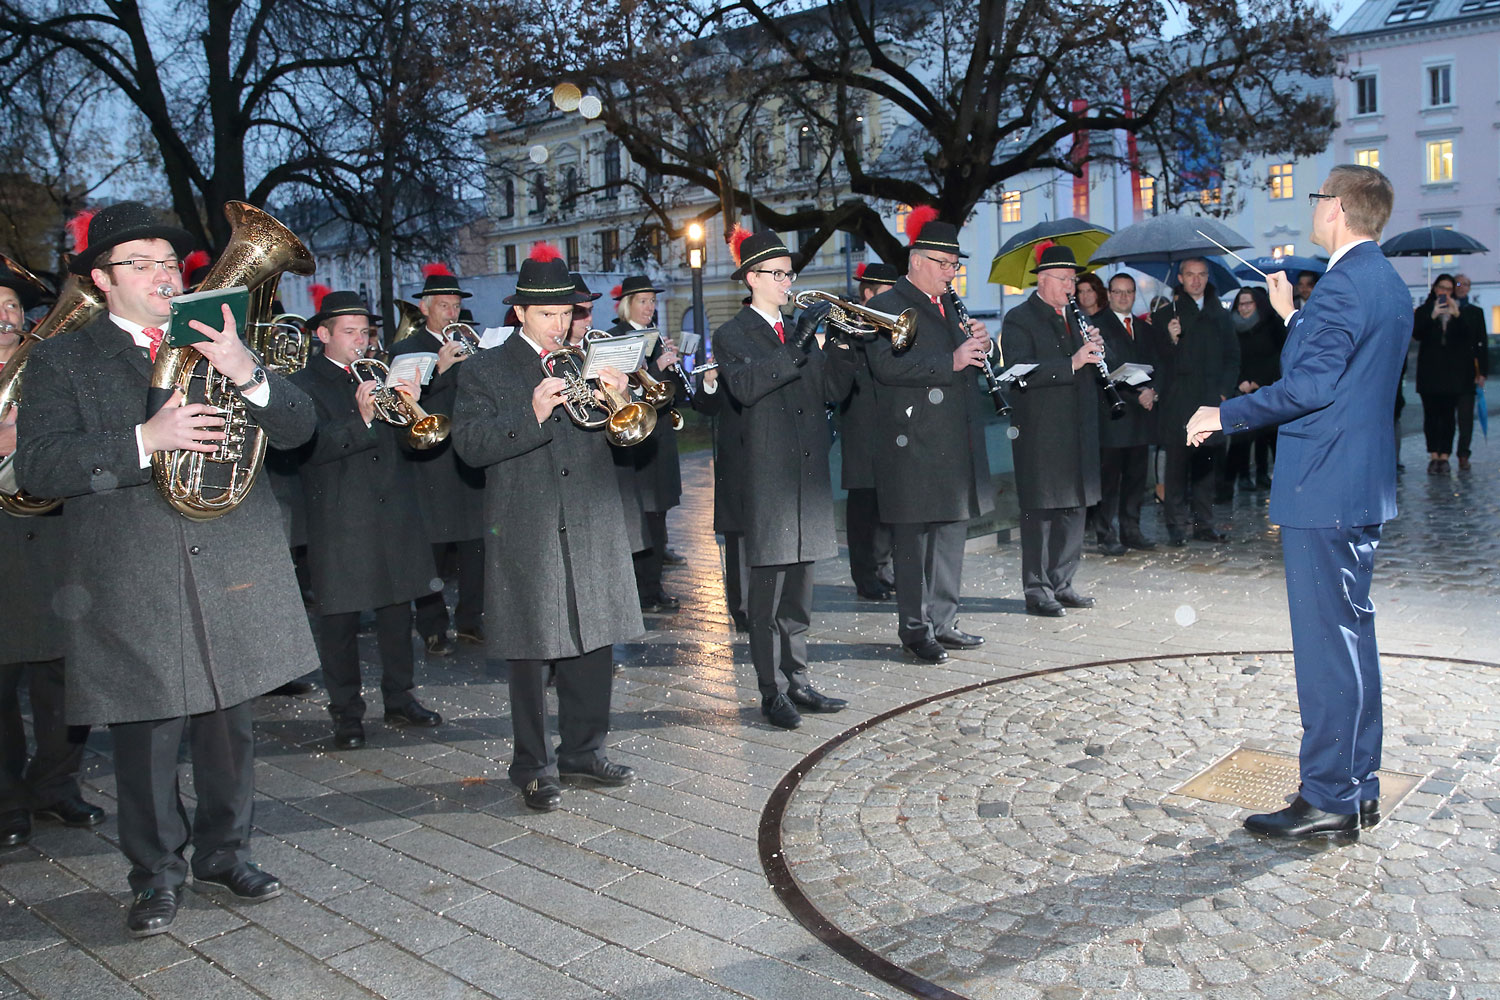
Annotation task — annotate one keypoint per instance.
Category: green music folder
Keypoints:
(207, 308)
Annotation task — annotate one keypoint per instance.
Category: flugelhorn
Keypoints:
(652, 389)
(862, 321)
(625, 421)
(463, 333)
(395, 407)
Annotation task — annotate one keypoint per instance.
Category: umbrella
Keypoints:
(1430, 241)
(1291, 264)
(1481, 408)
(1167, 238)
(1223, 279)
(1013, 264)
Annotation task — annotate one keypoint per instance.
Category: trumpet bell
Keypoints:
(904, 329)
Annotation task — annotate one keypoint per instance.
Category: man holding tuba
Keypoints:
(175, 624)
(361, 501)
(559, 586)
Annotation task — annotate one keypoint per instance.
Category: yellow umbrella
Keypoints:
(1013, 264)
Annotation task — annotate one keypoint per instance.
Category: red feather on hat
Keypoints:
(859, 272)
(916, 219)
(193, 261)
(78, 229)
(737, 236)
(318, 292)
(543, 252)
(617, 291)
(1042, 248)
(436, 268)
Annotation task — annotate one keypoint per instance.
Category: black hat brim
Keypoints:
(1077, 268)
(318, 319)
(571, 297)
(85, 261)
(443, 291)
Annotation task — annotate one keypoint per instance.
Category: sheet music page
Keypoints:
(1131, 373)
(494, 336)
(689, 343)
(1014, 372)
(623, 353)
(415, 367)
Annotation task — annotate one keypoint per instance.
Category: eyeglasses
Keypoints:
(143, 264)
(778, 274)
(950, 266)
(1314, 197)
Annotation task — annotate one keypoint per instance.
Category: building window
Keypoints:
(538, 193)
(510, 257)
(611, 170)
(1281, 181)
(1010, 206)
(570, 189)
(1440, 161)
(961, 281)
(1366, 100)
(1147, 188)
(1442, 259)
(1210, 197)
(653, 181)
(1367, 158)
(805, 237)
(901, 213)
(571, 247)
(609, 250)
(1439, 86)
(507, 198)
(1081, 193)
(1284, 250)
(807, 148)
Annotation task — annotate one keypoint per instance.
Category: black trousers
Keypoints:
(432, 611)
(1262, 444)
(780, 614)
(648, 561)
(338, 648)
(1465, 423)
(929, 562)
(154, 827)
(736, 577)
(870, 559)
(51, 774)
(1051, 548)
(583, 693)
(1189, 483)
(1122, 490)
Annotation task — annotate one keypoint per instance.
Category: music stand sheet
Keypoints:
(624, 354)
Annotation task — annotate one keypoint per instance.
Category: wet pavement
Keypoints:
(1019, 834)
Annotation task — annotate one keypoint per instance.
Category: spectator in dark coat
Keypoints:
(1124, 444)
(1452, 361)
(1261, 333)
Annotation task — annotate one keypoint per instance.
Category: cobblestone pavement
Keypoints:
(413, 869)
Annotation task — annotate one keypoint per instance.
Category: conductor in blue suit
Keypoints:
(1335, 486)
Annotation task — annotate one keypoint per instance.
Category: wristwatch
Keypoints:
(255, 381)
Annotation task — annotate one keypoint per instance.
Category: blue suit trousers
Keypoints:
(1328, 572)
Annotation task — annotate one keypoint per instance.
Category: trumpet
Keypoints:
(465, 335)
(862, 321)
(625, 421)
(395, 407)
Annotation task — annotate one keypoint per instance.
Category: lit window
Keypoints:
(1440, 161)
(1284, 250)
(1013, 290)
(1010, 206)
(1442, 259)
(1439, 86)
(1366, 100)
(1281, 181)
(1209, 197)
(1495, 317)
(1367, 158)
(901, 214)
(961, 281)
(1147, 188)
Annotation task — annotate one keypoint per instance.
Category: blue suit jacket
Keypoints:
(1335, 452)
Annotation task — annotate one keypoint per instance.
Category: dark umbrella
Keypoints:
(1219, 274)
(1430, 241)
(1168, 238)
(1291, 264)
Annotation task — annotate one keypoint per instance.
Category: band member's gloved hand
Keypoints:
(807, 328)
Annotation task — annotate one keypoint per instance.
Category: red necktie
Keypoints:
(154, 335)
(937, 301)
(781, 331)
(1129, 328)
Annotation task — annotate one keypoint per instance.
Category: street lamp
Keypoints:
(695, 249)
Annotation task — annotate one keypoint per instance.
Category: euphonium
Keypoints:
(203, 485)
(625, 421)
(862, 321)
(283, 342)
(397, 408)
(78, 301)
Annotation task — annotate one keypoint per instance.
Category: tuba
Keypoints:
(199, 485)
(626, 422)
(282, 342)
(78, 301)
(862, 321)
(398, 409)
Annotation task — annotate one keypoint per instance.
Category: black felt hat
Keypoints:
(633, 284)
(27, 286)
(330, 304)
(581, 287)
(546, 281)
(876, 274)
(438, 280)
(925, 231)
(1056, 255)
(749, 249)
(121, 223)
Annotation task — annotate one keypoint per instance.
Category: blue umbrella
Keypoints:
(1223, 279)
(1291, 264)
(1482, 410)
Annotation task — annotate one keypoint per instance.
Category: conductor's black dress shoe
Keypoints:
(244, 881)
(413, 714)
(954, 639)
(153, 911)
(72, 811)
(600, 771)
(815, 701)
(543, 794)
(1369, 813)
(780, 712)
(927, 650)
(1302, 821)
(15, 828)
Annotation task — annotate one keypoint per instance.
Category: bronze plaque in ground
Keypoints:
(1265, 781)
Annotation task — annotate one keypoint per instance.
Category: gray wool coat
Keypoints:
(782, 438)
(166, 616)
(31, 557)
(360, 494)
(558, 578)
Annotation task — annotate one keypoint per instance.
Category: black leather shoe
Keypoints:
(1073, 599)
(1209, 535)
(1047, 609)
(1139, 543)
(878, 594)
(245, 881)
(440, 645)
(926, 650)
(780, 712)
(661, 604)
(1175, 539)
(153, 911)
(741, 624)
(72, 812)
(292, 689)
(1369, 813)
(670, 558)
(815, 701)
(601, 771)
(1112, 548)
(1301, 820)
(954, 639)
(348, 734)
(413, 714)
(15, 828)
(473, 636)
(543, 794)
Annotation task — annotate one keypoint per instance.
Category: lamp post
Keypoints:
(695, 249)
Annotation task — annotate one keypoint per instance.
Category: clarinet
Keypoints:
(991, 380)
(1116, 404)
